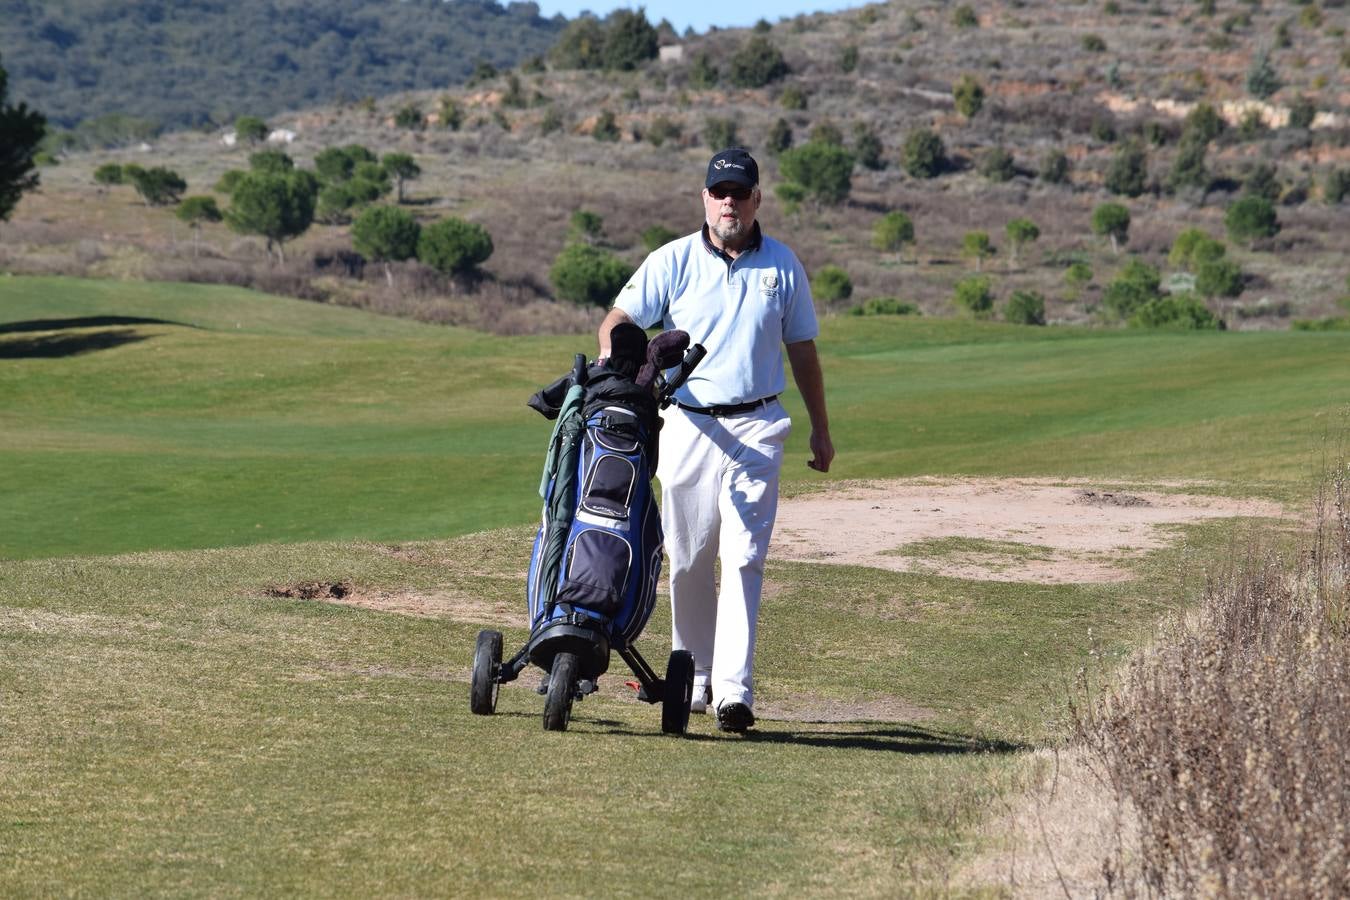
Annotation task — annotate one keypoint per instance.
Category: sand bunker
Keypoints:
(1048, 532)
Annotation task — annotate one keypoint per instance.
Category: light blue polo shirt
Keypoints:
(742, 310)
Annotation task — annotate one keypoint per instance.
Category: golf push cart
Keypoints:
(597, 555)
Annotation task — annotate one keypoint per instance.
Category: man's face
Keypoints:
(730, 209)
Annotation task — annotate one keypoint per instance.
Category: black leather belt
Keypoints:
(729, 409)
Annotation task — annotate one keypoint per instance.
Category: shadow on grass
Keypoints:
(889, 738)
(82, 322)
(59, 345)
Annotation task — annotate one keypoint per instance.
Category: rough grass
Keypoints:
(168, 726)
(1227, 741)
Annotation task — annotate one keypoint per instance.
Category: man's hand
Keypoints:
(822, 451)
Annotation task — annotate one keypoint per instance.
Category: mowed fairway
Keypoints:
(167, 727)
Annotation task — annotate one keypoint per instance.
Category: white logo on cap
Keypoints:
(724, 164)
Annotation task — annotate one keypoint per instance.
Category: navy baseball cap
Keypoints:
(735, 165)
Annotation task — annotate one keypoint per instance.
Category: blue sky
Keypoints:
(702, 13)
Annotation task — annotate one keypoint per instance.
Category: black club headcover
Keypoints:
(663, 351)
(627, 349)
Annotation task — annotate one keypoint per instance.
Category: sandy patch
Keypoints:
(1048, 532)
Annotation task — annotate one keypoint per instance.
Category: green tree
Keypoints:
(194, 211)
(1203, 122)
(1193, 247)
(454, 246)
(369, 182)
(386, 234)
(831, 284)
(1128, 172)
(581, 45)
(225, 184)
(823, 170)
(158, 186)
(893, 232)
(1025, 308)
(923, 154)
(588, 275)
(274, 161)
(277, 207)
(780, 137)
(451, 114)
(719, 134)
(1020, 233)
(977, 246)
(974, 296)
(1262, 77)
(1112, 220)
(337, 164)
(250, 129)
(402, 168)
(21, 130)
(1077, 276)
(1250, 218)
(630, 40)
(410, 116)
(1188, 167)
(757, 63)
(1136, 284)
(867, 147)
(969, 96)
(108, 174)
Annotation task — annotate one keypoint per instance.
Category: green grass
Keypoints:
(280, 420)
(168, 728)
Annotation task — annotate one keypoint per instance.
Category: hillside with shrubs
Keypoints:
(1170, 164)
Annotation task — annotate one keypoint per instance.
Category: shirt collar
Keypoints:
(756, 240)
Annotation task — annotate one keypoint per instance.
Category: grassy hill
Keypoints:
(220, 417)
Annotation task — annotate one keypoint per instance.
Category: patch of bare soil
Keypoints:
(458, 606)
(1079, 532)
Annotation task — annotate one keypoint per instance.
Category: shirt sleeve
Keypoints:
(799, 315)
(646, 296)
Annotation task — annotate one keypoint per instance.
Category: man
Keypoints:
(744, 296)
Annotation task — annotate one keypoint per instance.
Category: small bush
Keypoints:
(1302, 112)
(1093, 43)
(1112, 220)
(848, 59)
(779, 137)
(1188, 166)
(454, 246)
(588, 275)
(974, 296)
(1250, 218)
(831, 284)
(657, 236)
(867, 147)
(719, 134)
(410, 117)
(1078, 276)
(1176, 312)
(964, 17)
(823, 170)
(1192, 248)
(1128, 172)
(250, 129)
(1218, 278)
(1336, 187)
(997, 165)
(585, 225)
(923, 154)
(969, 96)
(1025, 308)
(1054, 167)
(1262, 180)
(1020, 233)
(660, 130)
(886, 306)
(757, 63)
(892, 232)
(274, 161)
(108, 174)
(826, 132)
(1203, 123)
(977, 246)
(606, 128)
(1262, 77)
(1137, 284)
(793, 98)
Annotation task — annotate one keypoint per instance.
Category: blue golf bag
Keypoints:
(596, 557)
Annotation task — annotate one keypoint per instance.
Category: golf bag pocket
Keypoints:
(597, 569)
(608, 489)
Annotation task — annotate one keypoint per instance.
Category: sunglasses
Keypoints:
(739, 194)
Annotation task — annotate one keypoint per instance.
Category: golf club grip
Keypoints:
(691, 359)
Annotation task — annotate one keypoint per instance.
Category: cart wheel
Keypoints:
(679, 692)
(562, 687)
(487, 663)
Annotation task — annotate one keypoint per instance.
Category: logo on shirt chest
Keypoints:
(770, 285)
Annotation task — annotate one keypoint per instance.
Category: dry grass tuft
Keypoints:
(1229, 739)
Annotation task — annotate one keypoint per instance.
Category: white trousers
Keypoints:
(719, 489)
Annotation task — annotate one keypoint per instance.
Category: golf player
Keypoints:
(745, 297)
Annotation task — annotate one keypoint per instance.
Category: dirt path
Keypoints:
(1048, 532)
